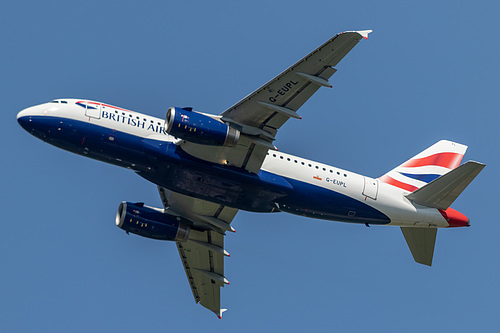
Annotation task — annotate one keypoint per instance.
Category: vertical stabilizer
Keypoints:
(421, 242)
(427, 166)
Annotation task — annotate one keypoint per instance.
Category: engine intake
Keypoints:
(198, 128)
(150, 223)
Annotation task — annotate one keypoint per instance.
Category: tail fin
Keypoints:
(432, 163)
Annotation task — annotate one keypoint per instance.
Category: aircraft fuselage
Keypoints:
(285, 182)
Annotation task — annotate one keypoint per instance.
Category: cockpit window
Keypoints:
(64, 102)
(54, 102)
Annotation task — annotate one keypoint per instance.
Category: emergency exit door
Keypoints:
(371, 188)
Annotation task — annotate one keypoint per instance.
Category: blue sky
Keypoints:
(429, 71)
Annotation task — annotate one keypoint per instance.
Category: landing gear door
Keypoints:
(371, 188)
(93, 109)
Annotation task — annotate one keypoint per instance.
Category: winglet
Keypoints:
(364, 33)
(221, 311)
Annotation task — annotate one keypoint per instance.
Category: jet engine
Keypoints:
(151, 223)
(198, 128)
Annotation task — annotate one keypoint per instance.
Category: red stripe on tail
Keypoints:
(446, 160)
(391, 181)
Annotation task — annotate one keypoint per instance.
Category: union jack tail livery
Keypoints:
(432, 163)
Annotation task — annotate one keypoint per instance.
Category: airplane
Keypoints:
(207, 167)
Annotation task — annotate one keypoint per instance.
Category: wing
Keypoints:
(203, 253)
(263, 112)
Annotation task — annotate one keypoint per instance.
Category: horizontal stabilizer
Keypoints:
(441, 192)
(421, 242)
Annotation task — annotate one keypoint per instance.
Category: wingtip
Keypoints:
(364, 33)
(221, 311)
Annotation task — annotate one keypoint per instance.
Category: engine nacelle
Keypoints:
(198, 128)
(147, 222)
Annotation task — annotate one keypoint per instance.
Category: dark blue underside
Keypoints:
(167, 165)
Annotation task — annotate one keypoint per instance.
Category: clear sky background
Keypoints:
(429, 71)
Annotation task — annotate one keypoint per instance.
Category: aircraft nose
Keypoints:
(22, 113)
(25, 117)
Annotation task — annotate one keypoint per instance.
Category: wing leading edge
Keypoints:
(259, 115)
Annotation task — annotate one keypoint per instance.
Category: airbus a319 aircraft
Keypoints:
(207, 167)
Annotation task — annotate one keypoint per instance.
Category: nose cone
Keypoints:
(22, 113)
(25, 117)
(455, 218)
